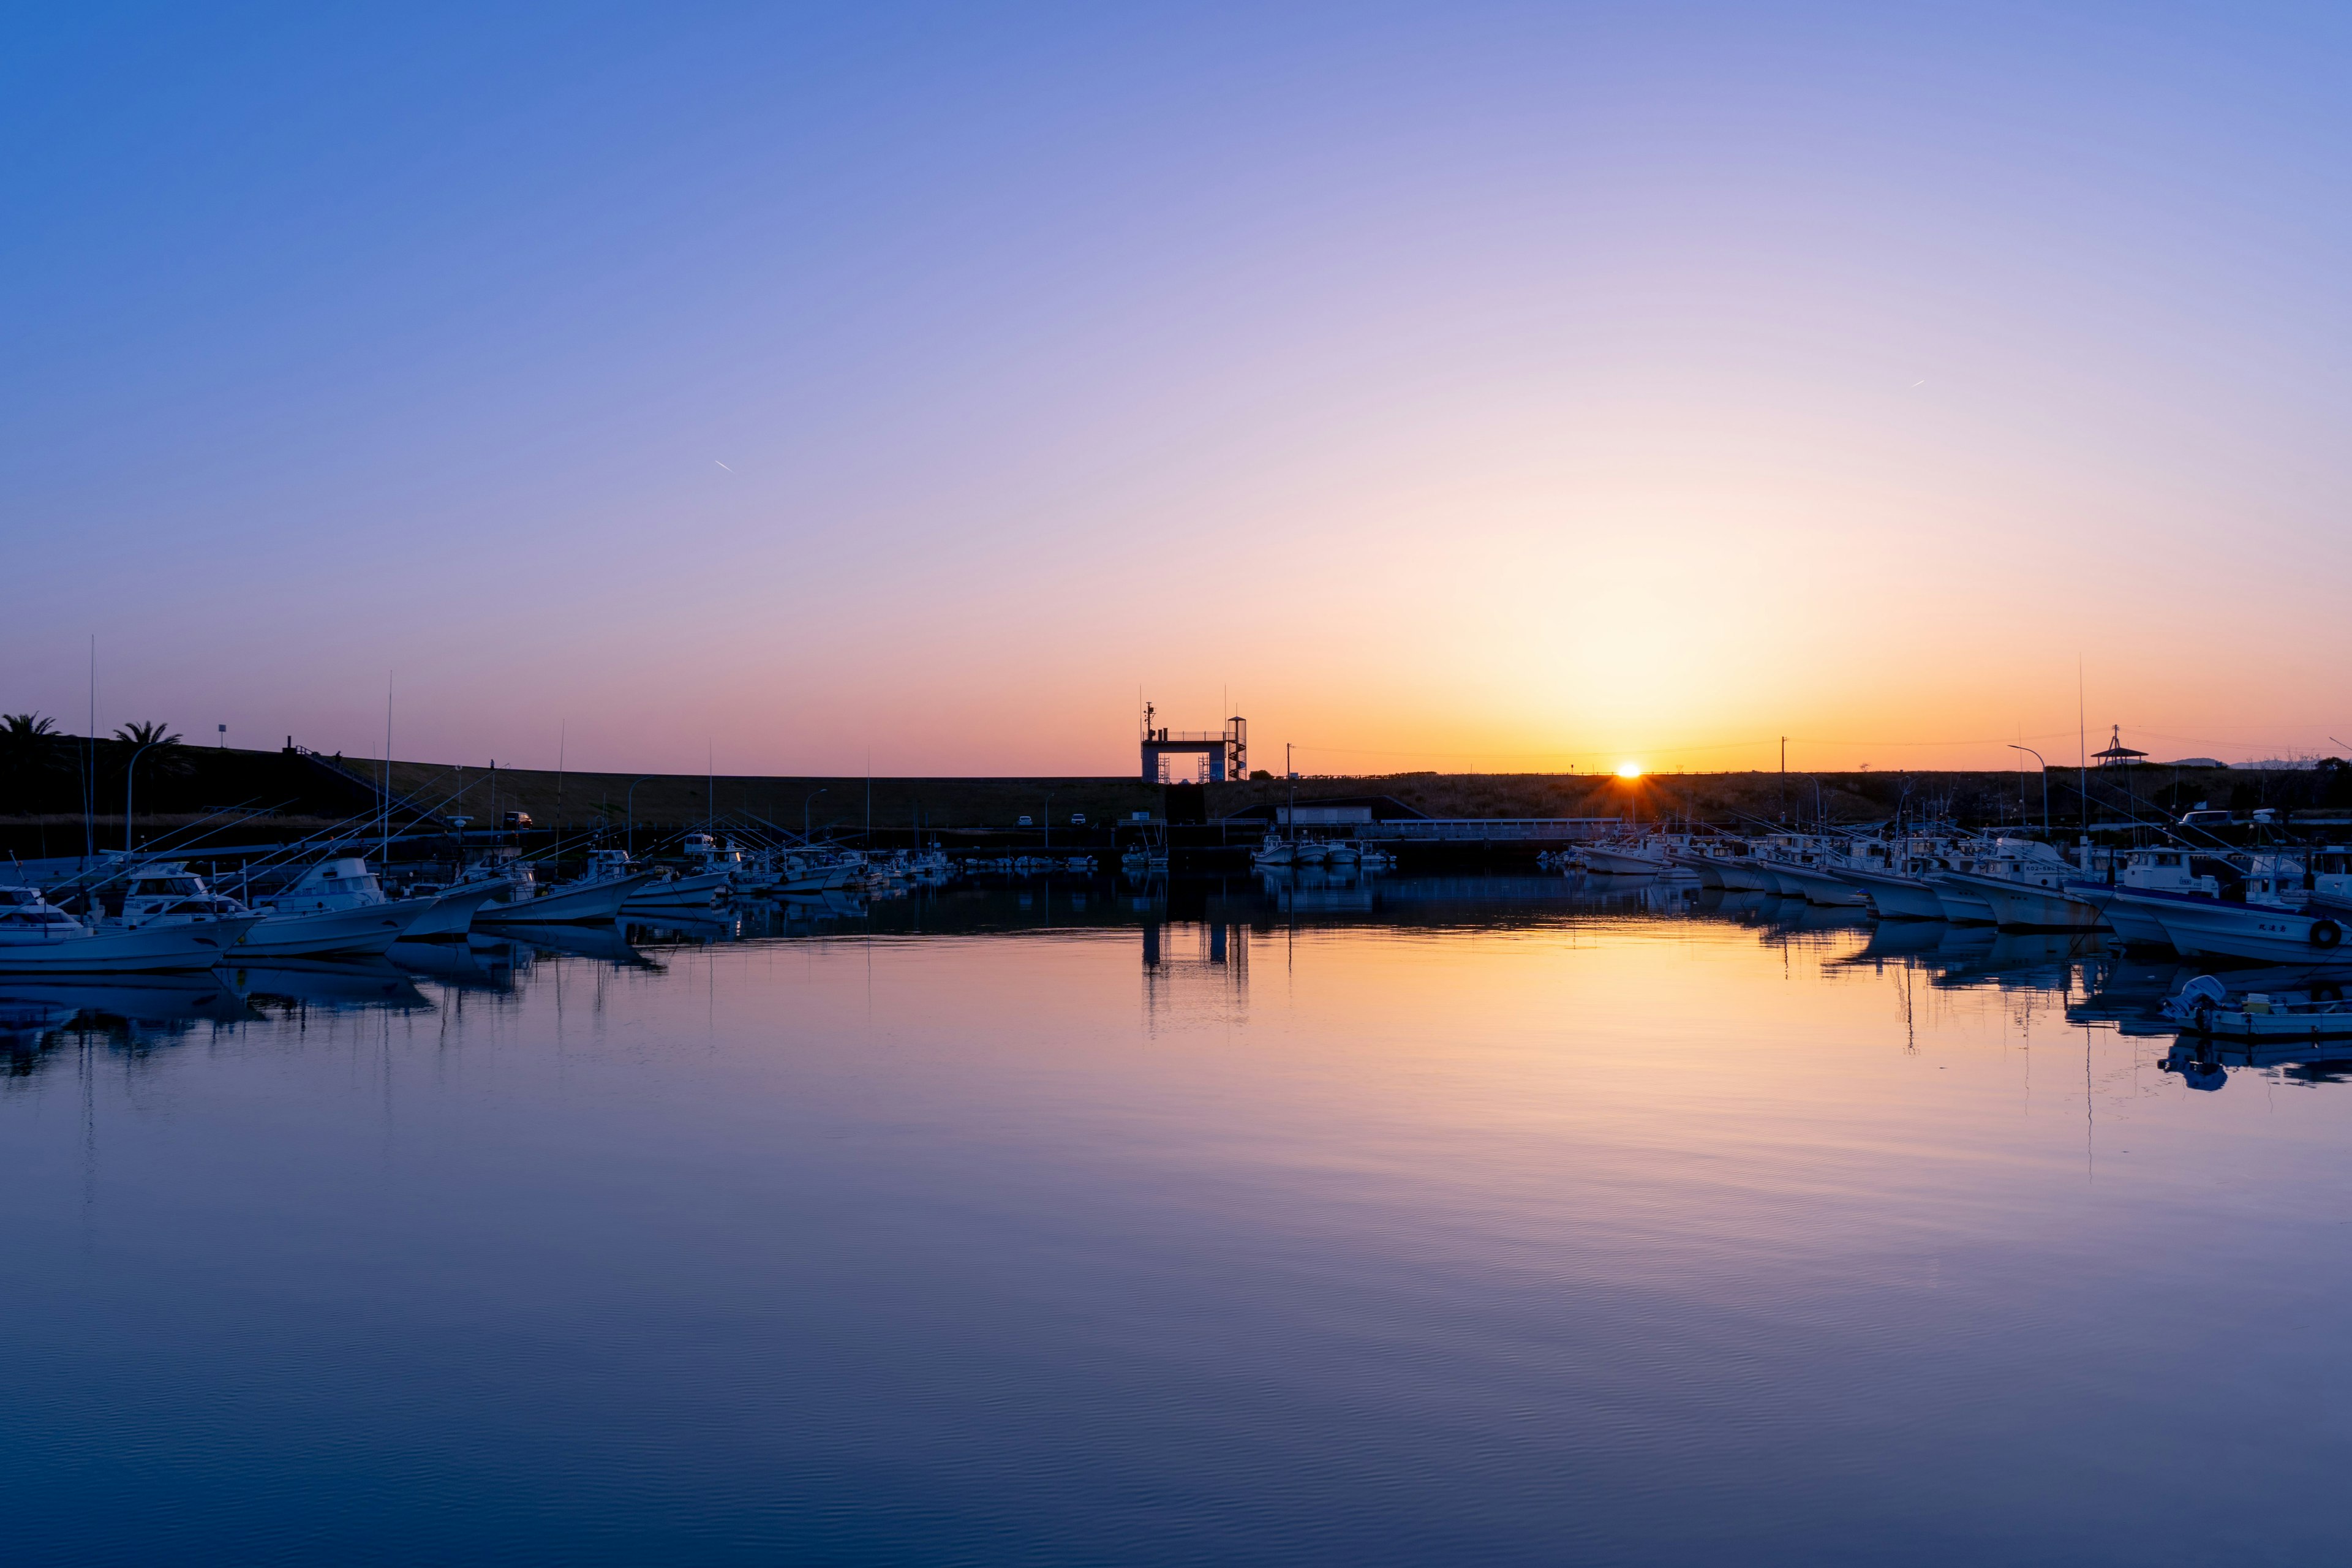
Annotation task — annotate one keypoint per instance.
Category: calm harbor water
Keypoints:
(1493, 1220)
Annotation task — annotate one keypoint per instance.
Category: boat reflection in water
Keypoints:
(335, 983)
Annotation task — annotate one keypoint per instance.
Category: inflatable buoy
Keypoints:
(2325, 933)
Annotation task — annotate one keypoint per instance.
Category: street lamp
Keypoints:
(804, 811)
(1049, 819)
(130, 778)
(2045, 786)
(629, 805)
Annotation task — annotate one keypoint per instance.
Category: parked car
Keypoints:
(1078, 819)
(515, 821)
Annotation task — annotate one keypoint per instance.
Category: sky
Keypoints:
(1472, 387)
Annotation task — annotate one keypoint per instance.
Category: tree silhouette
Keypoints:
(145, 734)
(19, 728)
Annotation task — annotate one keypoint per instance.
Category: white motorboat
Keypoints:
(813, 870)
(565, 903)
(334, 907)
(1275, 852)
(1308, 852)
(1375, 859)
(653, 891)
(2272, 933)
(1627, 860)
(1896, 895)
(453, 911)
(1341, 852)
(2021, 883)
(38, 937)
(2147, 870)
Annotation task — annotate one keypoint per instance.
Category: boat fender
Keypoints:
(2325, 933)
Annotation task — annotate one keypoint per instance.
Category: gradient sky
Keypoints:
(1461, 387)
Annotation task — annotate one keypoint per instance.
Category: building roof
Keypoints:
(1383, 807)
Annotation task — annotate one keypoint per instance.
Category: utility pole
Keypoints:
(1784, 778)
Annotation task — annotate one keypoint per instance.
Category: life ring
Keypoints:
(2325, 932)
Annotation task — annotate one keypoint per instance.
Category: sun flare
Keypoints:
(1629, 770)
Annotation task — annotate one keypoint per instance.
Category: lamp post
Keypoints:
(1049, 819)
(629, 808)
(804, 811)
(2045, 786)
(130, 778)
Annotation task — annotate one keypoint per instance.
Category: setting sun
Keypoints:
(1629, 770)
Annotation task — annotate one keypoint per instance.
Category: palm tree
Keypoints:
(141, 733)
(28, 750)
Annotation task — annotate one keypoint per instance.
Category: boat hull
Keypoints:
(1962, 905)
(2129, 919)
(1623, 863)
(1897, 897)
(370, 927)
(2215, 928)
(452, 914)
(2026, 905)
(148, 950)
(695, 892)
(578, 902)
(1816, 885)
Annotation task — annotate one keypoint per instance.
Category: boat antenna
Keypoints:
(90, 767)
(2082, 745)
(384, 837)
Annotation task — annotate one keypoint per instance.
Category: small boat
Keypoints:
(2204, 1007)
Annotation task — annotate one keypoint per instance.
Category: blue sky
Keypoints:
(1452, 386)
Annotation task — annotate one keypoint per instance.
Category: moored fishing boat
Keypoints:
(334, 907)
(2205, 1007)
(526, 903)
(38, 937)
(2271, 933)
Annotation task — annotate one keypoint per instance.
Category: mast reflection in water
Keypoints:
(1393, 1220)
